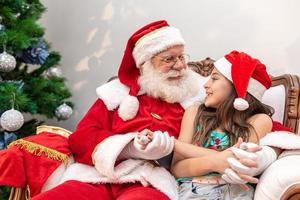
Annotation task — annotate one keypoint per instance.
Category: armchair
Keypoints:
(284, 98)
(281, 180)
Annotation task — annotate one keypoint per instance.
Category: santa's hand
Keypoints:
(232, 177)
(262, 158)
(161, 145)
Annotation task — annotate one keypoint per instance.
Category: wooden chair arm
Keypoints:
(18, 194)
(293, 193)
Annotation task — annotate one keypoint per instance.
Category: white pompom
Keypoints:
(128, 107)
(240, 104)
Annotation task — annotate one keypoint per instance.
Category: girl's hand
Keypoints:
(221, 160)
(144, 138)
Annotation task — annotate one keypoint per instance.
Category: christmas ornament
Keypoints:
(7, 62)
(52, 72)
(12, 120)
(63, 111)
(6, 138)
(36, 54)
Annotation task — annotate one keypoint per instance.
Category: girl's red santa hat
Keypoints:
(247, 75)
(142, 46)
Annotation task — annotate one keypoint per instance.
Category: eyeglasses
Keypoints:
(172, 60)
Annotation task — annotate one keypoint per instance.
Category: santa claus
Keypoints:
(153, 87)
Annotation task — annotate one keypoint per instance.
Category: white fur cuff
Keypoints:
(107, 152)
(281, 139)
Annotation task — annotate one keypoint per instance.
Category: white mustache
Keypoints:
(156, 83)
(174, 73)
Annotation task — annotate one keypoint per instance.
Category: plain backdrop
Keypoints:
(91, 36)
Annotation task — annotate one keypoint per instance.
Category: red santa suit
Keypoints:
(113, 121)
(103, 134)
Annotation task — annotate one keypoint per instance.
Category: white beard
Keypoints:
(157, 84)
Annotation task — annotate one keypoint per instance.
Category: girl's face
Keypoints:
(217, 88)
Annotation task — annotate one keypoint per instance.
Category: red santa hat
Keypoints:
(142, 46)
(247, 75)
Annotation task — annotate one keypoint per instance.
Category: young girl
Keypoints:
(232, 109)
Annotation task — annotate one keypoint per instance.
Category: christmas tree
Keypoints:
(31, 81)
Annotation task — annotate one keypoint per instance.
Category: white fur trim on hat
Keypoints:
(240, 104)
(156, 42)
(224, 67)
(255, 88)
(128, 108)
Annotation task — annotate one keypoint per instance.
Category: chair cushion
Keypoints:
(275, 97)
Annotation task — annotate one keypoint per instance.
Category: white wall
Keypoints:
(91, 35)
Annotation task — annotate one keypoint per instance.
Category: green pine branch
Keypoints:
(28, 91)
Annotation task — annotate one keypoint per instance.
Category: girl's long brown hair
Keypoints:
(228, 119)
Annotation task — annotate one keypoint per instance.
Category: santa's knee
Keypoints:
(143, 193)
(76, 190)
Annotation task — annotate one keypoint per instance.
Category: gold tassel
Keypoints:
(37, 150)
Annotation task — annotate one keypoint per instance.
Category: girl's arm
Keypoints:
(183, 147)
(192, 154)
(216, 162)
(184, 150)
(262, 125)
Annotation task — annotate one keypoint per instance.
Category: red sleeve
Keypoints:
(277, 126)
(91, 130)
